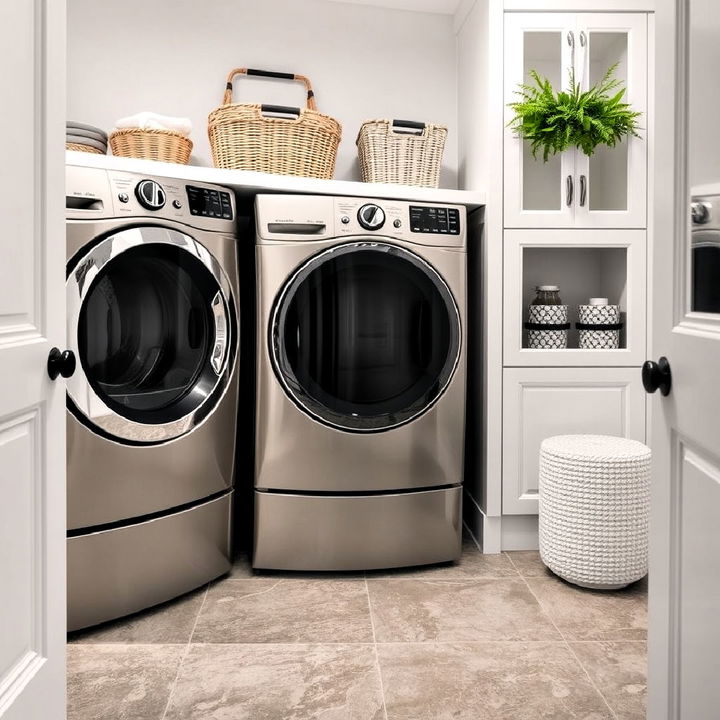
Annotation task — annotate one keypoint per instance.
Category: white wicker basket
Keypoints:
(594, 507)
(401, 151)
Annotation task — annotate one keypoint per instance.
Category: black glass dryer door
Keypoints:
(152, 336)
(365, 336)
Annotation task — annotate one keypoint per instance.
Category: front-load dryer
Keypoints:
(360, 382)
(152, 318)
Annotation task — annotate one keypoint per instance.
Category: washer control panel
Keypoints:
(428, 219)
(209, 202)
(99, 194)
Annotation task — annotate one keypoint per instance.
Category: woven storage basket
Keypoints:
(162, 145)
(83, 148)
(410, 157)
(273, 138)
(594, 507)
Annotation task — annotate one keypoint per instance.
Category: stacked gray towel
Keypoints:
(89, 136)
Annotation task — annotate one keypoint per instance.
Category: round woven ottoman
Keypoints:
(594, 506)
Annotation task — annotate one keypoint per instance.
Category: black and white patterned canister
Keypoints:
(599, 325)
(547, 327)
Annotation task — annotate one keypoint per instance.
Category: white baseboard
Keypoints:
(493, 534)
(485, 530)
(519, 532)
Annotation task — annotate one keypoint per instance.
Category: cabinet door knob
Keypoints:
(657, 376)
(61, 363)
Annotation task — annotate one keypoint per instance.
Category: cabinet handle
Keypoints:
(583, 38)
(569, 189)
(571, 43)
(583, 190)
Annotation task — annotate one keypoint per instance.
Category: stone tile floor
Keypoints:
(493, 636)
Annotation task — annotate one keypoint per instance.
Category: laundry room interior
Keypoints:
(357, 327)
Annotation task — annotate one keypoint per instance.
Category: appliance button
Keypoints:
(123, 197)
(176, 204)
(397, 223)
(344, 219)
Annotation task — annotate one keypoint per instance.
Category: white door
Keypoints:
(612, 183)
(684, 632)
(32, 321)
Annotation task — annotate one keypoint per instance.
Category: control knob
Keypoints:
(150, 194)
(700, 213)
(371, 216)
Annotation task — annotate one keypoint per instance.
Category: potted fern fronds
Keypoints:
(555, 121)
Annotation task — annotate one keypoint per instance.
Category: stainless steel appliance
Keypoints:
(706, 249)
(360, 382)
(153, 321)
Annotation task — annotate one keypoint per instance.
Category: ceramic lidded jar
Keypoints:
(547, 324)
(599, 325)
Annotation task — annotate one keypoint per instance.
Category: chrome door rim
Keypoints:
(85, 401)
(351, 245)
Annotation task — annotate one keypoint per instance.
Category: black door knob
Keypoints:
(61, 363)
(657, 376)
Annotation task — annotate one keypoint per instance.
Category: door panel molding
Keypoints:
(686, 540)
(24, 636)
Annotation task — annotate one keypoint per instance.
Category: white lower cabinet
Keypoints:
(542, 402)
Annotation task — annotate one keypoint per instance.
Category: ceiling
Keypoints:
(445, 7)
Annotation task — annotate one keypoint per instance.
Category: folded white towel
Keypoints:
(154, 121)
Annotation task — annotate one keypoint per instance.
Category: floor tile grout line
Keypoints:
(185, 653)
(567, 645)
(375, 649)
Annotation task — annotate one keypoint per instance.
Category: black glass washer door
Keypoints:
(151, 328)
(365, 336)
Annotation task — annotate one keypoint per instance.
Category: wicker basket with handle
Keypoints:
(273, 138)
(162, 145)
(401, 151)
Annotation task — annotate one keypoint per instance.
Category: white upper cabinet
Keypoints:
(572, 190)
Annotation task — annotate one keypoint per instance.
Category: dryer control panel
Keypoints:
(315, 218)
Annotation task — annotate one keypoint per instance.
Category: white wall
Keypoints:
(472, 70)
(173, 56)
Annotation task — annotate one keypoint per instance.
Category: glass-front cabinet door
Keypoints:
(572, 189)
(612, 185)
(537, 193)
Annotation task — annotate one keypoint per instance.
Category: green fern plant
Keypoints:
(554, 121)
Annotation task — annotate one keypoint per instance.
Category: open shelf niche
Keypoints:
(580, 273)
(583, 264)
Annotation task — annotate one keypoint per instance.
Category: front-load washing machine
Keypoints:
(360, 382)
(152, 408)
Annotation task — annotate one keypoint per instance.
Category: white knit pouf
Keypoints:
(594, 507)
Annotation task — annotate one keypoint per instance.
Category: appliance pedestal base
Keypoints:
(357, 532)
(116, 572)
